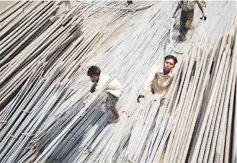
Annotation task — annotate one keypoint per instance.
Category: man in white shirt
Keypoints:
(160, 79)
(113, 89)
(187, 13)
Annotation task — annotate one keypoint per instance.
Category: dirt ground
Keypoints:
(4, 4)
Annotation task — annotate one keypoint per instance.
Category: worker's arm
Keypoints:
(146, 88)
(147, 85)
(177, 8)
(200, 7)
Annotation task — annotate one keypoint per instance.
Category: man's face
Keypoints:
(169, 64)
(94, 78)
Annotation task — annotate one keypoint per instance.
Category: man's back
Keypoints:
(114, 87)
(187, 5)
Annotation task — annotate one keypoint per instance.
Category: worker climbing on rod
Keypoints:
(187, 14)
(160, 79)
(113, 89)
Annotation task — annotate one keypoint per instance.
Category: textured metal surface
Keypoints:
(44, 57)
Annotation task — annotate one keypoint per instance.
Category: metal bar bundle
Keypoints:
(48, 115)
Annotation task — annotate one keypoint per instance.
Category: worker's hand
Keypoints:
(204, 17)
(139, 97)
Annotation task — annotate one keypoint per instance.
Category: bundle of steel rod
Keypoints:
(48, 115)
(32, 47)
(203, 117)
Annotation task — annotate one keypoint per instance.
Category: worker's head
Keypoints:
(94, 73)
(169, 63)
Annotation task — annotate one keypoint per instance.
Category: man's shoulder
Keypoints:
(106, 78)
(172, 73)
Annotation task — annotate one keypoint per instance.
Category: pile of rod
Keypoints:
(44, 57)
(41, 51)
(203, 111)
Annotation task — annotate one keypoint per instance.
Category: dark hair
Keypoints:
(94, 70)
(171, 57)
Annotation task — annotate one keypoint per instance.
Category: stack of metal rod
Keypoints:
(41, 52)
(48, 115)
(202, 120)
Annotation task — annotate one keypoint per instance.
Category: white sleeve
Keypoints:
(148, 82)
